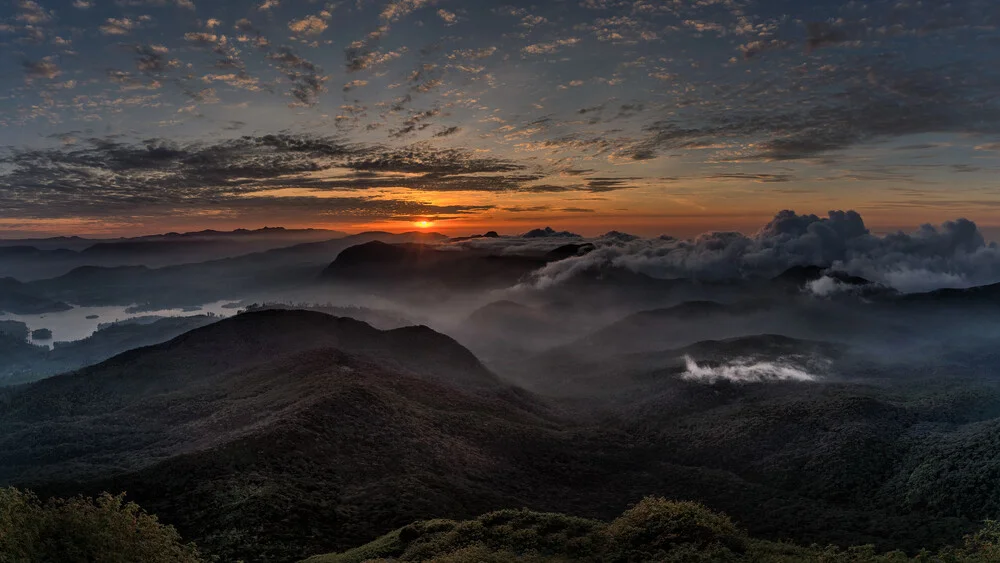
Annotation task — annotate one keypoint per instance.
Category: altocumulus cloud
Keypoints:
(106, 177)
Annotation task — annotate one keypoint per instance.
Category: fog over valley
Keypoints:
(597, 281)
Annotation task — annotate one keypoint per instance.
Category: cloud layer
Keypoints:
(954, 254)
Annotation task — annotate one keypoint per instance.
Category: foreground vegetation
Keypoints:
(653, 530)
(102, 530)
(109, 530)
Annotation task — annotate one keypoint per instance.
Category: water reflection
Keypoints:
(80, 322)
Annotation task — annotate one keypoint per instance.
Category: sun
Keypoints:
(423, 224)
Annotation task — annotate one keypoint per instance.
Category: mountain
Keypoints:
(243, 277)
(401, 265)
(20, 299)
(47, 258)
(682, 324)
(306, 422)
(569, 250)
(275, 435)
(505, 329)
(549, 232)
(797, 278)
(22, 362)
(654, 529)
(981, 295)
(490, 234)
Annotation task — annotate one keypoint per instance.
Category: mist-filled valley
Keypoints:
(817, 383)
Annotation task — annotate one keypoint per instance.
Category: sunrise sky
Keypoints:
(140, 116)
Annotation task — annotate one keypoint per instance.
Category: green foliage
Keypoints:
(520, 535)
(102, 530)
(653, 530)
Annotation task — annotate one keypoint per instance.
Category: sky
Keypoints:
(652, 117)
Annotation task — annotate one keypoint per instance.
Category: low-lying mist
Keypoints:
(745, 370)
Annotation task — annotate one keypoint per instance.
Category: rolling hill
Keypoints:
(280, 434)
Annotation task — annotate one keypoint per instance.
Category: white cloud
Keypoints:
(309, 25)
(745, 371)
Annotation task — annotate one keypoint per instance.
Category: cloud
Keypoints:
(449, 18)
(32, 13)
(355, 84)
(448, 131)
(308, 80)
(118, 26)
(399, 9)
(954, 254)
(473, 54)
(151, 59)
(550, 47)
(863, 104)
(745, 371)
(110, 177)
(41, 69)
(359, 59)
(309, 25)
(203, 38)
(759, 178)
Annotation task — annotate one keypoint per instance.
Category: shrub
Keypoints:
(102, 530)
(660, 530)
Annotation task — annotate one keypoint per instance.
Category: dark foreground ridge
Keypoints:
(280, 434)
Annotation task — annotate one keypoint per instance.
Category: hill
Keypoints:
(306, 418)
(47, 258)
(17, 298)
(502, 329)
(408, 265)
(652, 530)
(23, 362)
(275, 435)
(247, 276)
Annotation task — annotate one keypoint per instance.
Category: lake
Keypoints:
(74, 324)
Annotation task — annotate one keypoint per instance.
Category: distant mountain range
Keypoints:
(244, 276)
(30, 259)
(22, 362)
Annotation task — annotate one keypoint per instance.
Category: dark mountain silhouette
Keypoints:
(981, 295)
(23, 362)
(326, 411)
(502, 329)
(275, 435)
(569, 250)
(194, 284)
(378, 263)
(45, 258)
(20, 299)
(490, 234)
(549, 232)
(685, 323)
(797, 277)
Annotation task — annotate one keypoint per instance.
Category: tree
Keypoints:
(102, 530)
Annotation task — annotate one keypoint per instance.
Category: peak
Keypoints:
(549, 232)
(570, 250)
(618, 236)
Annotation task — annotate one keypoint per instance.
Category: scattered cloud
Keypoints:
(41, 69)
(118, 26)
(550, 47)
(309, 25)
